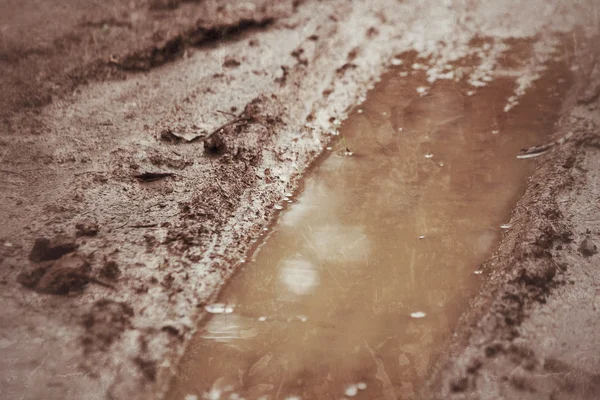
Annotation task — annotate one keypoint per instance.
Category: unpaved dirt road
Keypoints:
(144, 145)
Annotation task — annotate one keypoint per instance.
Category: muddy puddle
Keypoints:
(362, 279)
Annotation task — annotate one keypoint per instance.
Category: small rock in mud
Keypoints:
(587, 247)
(87, 227)
(45, 249)
(104, 323)
(69, 274)
(110, 270)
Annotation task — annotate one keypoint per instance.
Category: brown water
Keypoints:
(370, 266)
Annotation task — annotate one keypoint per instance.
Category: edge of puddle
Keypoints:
(533, 262)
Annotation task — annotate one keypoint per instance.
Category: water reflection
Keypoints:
(299, 276)
(369, 268)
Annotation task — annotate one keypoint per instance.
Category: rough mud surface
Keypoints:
(144, 145)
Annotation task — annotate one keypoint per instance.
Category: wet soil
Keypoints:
(158, 179)
(355, 289)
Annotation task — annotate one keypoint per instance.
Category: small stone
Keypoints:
(587, 247)
(51, 249)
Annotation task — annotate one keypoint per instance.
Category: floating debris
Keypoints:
(441, 164)
(329, 148)
(400, 129)
(531, 155)
(190, 397)
(348, 153)
(428, 155)
(288, 194)
(403, 74)
(286, 198)
(505, 226)
(360, 111)
(478, 272)
(418, 314)
(470, 93)
(416, 66)
(351, 391)
(536, 151)
(421, 237)
(361, 385)
(278, 207)
(262, 319)
(396, 61)
(219, 308)
(303, 318)
(422, 90)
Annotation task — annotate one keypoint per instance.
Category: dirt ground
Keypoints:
(145, 144)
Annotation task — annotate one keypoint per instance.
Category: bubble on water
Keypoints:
(416, 66)
(329, 148)
(403, 74)
(278, 207)
(262, 319)
(303, 318)
(441, 164)
(293, 398)
(505, 226)
(385, 113)
(288, 194)
(478, 272)
(470, 93)
(428, 155)
(396, 61)
(421, 237)
(8, 244)
(360, 111)
(495, 132)
(266, 229)
(421, 90)
(348, 153)
(400, 129)
(351, 391)
(361, 385)
(418, 314)
(190, 397)
(286, 198)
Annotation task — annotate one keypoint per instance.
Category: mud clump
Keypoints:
(87, 227)
(104, 323)
(587, 247)
(539, 275)
(110, 270)
(67, 275)
(45, 249)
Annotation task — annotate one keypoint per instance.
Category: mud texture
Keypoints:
(144, 145)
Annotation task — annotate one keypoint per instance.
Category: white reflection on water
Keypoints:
(335, 243)
(299, 276)
(228, 327)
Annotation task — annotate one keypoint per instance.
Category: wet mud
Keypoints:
(130, 197)
(355, 289)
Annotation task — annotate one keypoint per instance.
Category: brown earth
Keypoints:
(144, 144)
